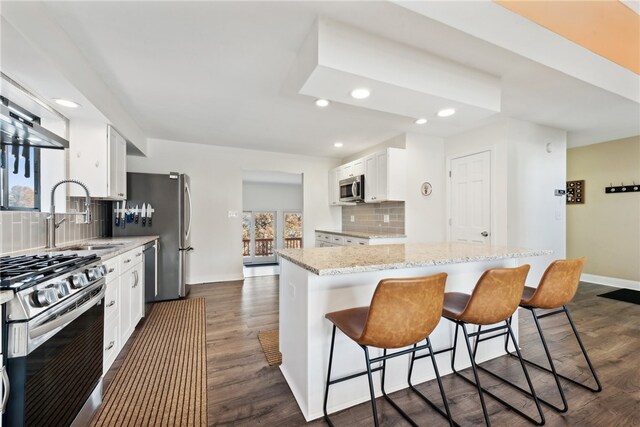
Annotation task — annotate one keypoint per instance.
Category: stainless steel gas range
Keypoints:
(53, 338)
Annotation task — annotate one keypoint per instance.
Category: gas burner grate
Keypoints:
(20, 272)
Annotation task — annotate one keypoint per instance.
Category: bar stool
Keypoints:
(557, 288)
(494, 299)
(403, 312)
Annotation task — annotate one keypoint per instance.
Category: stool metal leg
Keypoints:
(565, 406)
(326, 390)
(473, 368)
(553, 371)
(472, 355)
(447, 413)
(373, 394)
(584, 353)
(475, 375)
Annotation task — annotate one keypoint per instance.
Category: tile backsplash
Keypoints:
(27, 230)
(369, 217)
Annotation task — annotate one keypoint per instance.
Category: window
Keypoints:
(20, 177)
(292, 230)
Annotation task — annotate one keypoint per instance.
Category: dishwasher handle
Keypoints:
(6, 390)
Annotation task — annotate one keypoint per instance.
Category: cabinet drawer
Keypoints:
(131, 258)
(111, 345)
(355, 241)
(113, 268)
(337, 240)
(112, 299)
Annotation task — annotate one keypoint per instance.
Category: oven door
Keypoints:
(55, 361)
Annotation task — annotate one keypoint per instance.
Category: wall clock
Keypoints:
(426, 189)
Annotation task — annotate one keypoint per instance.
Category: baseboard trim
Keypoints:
(611, 281)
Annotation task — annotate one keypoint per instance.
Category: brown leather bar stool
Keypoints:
(556, 289)
(403, 312)
(494, 299)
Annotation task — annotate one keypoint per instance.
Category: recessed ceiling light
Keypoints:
(322, 102)
(360, 93)
(446, 112)
(421, 121)
(338, 144)
(66, 103)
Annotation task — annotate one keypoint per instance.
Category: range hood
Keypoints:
(19, 127)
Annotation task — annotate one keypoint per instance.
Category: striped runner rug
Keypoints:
(163, 379)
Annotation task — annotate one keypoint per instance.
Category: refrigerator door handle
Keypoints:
(189, 197)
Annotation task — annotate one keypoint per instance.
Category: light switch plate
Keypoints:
(233, 214)
(353, 218)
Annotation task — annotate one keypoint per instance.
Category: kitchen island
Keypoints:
(317, 281)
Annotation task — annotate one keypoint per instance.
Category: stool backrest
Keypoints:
(559, 283)
(496, 295)
(404, 311)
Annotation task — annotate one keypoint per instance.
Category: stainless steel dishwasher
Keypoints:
(150, 256)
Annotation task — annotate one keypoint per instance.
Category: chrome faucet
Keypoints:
(52, 225)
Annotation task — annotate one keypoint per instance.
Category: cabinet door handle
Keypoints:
(121, 194)
(112, 303)
(111, 344)
(111, 270)
(135, 275)
(7, 389)
(140, 254)
(128, 260)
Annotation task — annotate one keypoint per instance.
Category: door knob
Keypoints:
(484, 234)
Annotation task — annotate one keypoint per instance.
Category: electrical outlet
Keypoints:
(386, 218)
(353, 218)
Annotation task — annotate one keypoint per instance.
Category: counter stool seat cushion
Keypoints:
(351, 321)
(454, 304)
(527, 294)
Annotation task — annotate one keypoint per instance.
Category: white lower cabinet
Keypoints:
(124, 302)
(324, 240)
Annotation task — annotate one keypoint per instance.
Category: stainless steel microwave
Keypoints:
(352, 189)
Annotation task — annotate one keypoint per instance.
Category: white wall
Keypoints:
(271, 196)
(537, 218)
(525, 175)
(216, 181)
(425, 215)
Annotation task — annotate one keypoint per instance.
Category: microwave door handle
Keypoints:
(354, 185)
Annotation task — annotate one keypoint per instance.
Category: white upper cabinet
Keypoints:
(352, 169)
(387, 171)
(98, 158)
(334, 187)
(385, 177)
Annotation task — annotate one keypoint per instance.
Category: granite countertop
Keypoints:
(357, 259)
(122, 245)
(364, 234)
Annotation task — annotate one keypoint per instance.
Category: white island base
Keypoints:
(305, 334)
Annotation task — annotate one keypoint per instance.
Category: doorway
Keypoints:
(470, 198)
(272, 216)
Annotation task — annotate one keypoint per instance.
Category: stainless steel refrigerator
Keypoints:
(170, 198)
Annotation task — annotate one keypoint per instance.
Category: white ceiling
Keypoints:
(216, 73)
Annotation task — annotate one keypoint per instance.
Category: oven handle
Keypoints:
(65, 319)
(7, 389)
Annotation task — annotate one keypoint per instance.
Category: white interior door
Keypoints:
(471, 198)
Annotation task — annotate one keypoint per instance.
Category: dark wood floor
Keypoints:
(243, 390)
